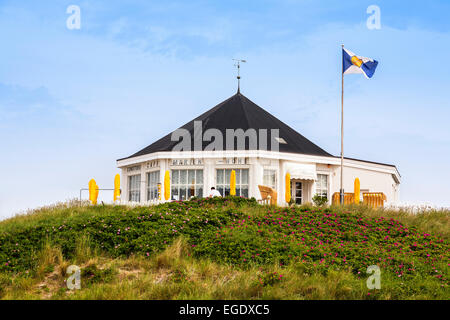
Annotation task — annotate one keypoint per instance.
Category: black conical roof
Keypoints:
(239, 112)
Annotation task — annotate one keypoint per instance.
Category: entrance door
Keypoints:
(298, 193)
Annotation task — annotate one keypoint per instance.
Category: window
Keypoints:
(322, 185)
(134, 188)
(187, 184)
(223, 182)
(298, 192)
(270, 178)
(152, 185)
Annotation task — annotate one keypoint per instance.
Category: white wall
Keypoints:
(374, 181)
(373, 176)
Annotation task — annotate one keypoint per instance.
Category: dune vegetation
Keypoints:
(224, 248)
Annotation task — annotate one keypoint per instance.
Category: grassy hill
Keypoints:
(229, 248)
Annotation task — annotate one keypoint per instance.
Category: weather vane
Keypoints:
(238, 65)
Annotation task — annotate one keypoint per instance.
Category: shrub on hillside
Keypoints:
(217, 228)
(319, 200)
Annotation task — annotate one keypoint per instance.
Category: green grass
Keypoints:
(224, 249)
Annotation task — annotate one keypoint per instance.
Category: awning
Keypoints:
(301, 171)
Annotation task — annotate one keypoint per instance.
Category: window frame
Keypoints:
(275, 171)
(222, 187)
(134, 190)
(152, 187)
(319, 188)
(198, 187)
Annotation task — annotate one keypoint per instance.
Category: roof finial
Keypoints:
(238, 65)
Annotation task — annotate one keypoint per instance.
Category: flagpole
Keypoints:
(341, 191)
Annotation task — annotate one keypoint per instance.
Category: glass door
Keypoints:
(298, 193)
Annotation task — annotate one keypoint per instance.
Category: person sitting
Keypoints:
(214, 193)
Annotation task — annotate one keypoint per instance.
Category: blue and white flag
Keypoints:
(352, 63)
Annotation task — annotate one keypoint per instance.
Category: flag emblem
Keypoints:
(356, 61)
(357, 64)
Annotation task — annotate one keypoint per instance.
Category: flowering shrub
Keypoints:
(270, 278)
(223, 201)
(326, 240)
(95, 275)
(218, 228)
(117, 230)
(319, 200)
(179, 275)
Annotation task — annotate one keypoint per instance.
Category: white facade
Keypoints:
(311, 174)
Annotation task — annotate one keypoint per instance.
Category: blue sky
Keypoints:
(74, 101)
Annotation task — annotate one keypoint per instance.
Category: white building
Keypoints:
(265, 162)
